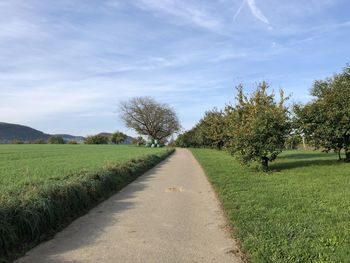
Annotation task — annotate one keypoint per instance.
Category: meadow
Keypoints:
(44, 187)
(298, 212)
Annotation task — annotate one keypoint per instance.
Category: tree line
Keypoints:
(258, 126)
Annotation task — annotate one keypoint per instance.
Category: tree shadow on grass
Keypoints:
(307, 155)
(280, 166)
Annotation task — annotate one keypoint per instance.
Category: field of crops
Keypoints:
(44, 187)
(299, 212)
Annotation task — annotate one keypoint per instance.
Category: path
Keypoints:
(170, 214)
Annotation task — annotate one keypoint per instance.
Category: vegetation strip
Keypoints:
(299, 212)
(27, 219)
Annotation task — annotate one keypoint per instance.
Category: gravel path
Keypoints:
(170, 214)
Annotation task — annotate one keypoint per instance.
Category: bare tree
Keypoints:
(148, 117)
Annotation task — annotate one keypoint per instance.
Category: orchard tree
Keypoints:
(149, 117)
(326, 120)
(118, 137)
(212, 128)
(257, 126)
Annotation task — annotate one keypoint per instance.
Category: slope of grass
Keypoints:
(299, 212)
(59, 184)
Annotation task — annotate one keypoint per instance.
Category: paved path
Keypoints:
(170, 214)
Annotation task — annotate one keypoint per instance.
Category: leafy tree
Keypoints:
(118, 137)
(326, 120)
(96, 139)
(72, 142)
(212, 129)
(148, 117)
(257, 126)
(56, 140)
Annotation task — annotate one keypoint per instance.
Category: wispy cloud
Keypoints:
(188, 12)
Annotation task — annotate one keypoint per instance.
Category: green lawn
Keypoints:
(22, 166)
(299, 212)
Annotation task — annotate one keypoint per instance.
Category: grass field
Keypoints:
(45, 187)
(299, 212)
(24, 166)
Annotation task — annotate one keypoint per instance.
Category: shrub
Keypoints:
(96, 139)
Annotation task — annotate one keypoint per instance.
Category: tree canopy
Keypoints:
(325, 121)
(118, 137)
(257, 125)
(148, 117)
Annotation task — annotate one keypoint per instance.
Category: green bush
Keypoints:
(28, 217)
(96, 139)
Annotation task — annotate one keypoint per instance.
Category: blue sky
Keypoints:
(65, 65)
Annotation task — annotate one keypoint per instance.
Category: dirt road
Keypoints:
(170, 214)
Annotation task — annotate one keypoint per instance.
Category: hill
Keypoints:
(10, 132)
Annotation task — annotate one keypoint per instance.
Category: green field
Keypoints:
(25, 166)
(44, 187)
(299, 212)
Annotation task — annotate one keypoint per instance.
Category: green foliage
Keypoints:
(56, 140)
(298, 213)
(72, 142)
(257, 126)
(96, 139)
(118, 137)
(326, 120)
(39, 196)
(209, 132)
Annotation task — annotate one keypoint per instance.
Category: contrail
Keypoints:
(254, 9)
(238, 11)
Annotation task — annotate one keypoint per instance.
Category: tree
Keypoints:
(257, 126)
(325, 121)
(56, 140)
(96, 139)
(212, 129)
(118, 137)
(138, 141)
(150, 118)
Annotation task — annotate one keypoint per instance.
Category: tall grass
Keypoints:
(31, 214)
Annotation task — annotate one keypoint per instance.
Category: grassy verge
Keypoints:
(300, 212)
(33, 213)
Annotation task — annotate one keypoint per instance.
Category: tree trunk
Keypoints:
(339, 154)
(265, 163)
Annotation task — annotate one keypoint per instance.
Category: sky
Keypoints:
(66, 65)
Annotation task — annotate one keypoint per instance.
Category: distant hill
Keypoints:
(10, 132)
